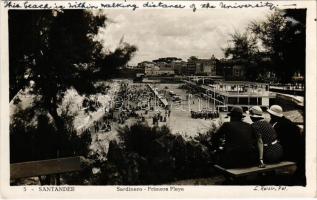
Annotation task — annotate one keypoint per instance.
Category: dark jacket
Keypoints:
(291, 139)
(293, 143)
(239, 145)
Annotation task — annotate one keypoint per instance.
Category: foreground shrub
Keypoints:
(153, 155)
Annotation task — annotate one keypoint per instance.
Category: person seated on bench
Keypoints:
(234, 143)
(269, 148)
(292, 141)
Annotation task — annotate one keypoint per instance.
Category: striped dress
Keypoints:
(272, 150)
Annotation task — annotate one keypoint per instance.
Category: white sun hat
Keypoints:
(276, 110)
(256, 111)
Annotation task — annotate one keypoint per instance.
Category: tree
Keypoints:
(275, 45)
(243, 46)
(193, 58)
(243, 50)
(58, 51)
(167, 59)
(24, 48)
(111, 62)
(282, 35)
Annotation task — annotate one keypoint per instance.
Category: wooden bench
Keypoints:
(47, 167)
(243, 172)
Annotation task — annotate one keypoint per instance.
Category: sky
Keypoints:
(175, 33)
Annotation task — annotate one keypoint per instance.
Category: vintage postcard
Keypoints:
(148, 99)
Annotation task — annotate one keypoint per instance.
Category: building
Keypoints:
(191, 66)
(151, 70)
(231, 69)
(227, 94)
(166, 69)
(144, 64)
(245, 94)
(157, 69)
(179, 67)
(238, 71)
(205, 67)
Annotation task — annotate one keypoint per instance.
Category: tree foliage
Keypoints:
(58, 50)
(243, 46)
(193, 58)
(167, 59)
(275, 45)
(243, 50)
(282, 35)
(152, 155)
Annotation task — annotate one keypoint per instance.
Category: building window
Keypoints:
(232, 100)
(253, 101)
(236, 72)
(243, 101)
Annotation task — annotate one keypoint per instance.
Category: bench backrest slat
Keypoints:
(45, 167)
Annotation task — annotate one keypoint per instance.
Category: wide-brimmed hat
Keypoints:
(236, 111)
(276, 110)
(256, 112)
